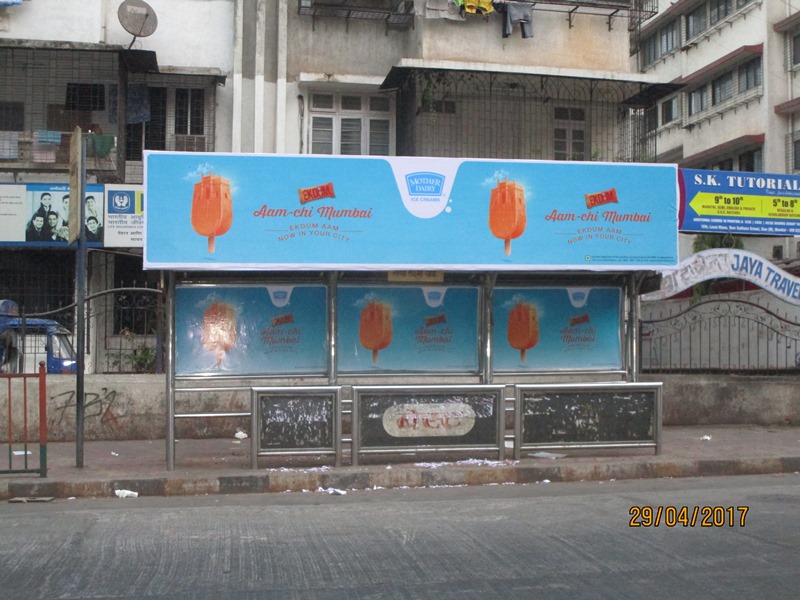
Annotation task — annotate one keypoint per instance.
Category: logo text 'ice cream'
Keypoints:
(507, 218)
(212, 207)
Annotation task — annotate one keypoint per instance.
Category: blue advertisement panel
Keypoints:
(740, 203)
(407, 329)
(251, 212)
(540, 329)
(250, 330)
(37, 214)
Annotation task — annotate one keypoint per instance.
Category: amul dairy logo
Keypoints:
(425, 183)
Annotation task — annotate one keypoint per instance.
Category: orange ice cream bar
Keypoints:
(212, 207)
(375, 327)
(523, 328)
(219, 329)
(507, 218)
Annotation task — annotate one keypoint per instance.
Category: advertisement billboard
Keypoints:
(250, 329)
(276, 212)
(37, 214)
(407, 328)
(554, 328)
(739, 203)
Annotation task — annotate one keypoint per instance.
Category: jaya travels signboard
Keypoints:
(726, 262)
(272, 212)
(741, 203)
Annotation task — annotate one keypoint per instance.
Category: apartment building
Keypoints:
(587, 80)
(734, 65)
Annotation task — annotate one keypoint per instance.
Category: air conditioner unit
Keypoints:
(190, 143)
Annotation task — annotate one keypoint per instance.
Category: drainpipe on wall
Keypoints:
(280, 80)
(258, 83)
(236, 118)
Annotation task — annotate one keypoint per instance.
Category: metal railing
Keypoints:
(19, 442)
(124, 329)
(724, 335)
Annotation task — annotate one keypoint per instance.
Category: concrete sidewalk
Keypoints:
(222, 466)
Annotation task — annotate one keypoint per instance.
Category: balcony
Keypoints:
(396, 14)
(399, 14)
(45, 150)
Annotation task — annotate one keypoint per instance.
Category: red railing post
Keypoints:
(42, 419)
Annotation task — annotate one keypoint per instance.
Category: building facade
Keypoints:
(701, 83)
(734, 64)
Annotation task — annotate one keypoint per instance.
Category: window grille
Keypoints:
(517, 117)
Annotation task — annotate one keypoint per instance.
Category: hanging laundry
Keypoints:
(444, 9)
(479, 7)
(47, 137)
(43, 153)
(516, 13)
(103, 145)
(138, 103)
(9, 145)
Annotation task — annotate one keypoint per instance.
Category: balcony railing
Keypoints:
(43, 150)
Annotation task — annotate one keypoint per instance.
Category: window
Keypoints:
(569, 140)
(650, 51)
(725, 164)
(664, 41)
(796, 155)
(696, 21)
(777, 253)
(351, 124)
(85, 96)
(720, 9)
(722, 88)
(670, 110)
(169, 113)
(12, 116)
(651, 118)
(796, 49)
(697, 100)
(668, 38)
(750, 161)
(150, 134)
(190, 110)
(750, 75)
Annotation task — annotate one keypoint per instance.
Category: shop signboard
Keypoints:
(37, 214)
(739, 203)
(215, 212)
(124, 226)
(556, 328)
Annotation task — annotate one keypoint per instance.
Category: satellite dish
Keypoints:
(137, 18)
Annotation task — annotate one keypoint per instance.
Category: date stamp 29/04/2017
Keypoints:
(688, 516)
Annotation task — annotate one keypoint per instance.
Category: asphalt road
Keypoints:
(545, 540)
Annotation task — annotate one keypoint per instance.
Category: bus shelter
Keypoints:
(426, 303)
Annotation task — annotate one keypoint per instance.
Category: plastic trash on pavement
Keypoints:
(126, 494)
